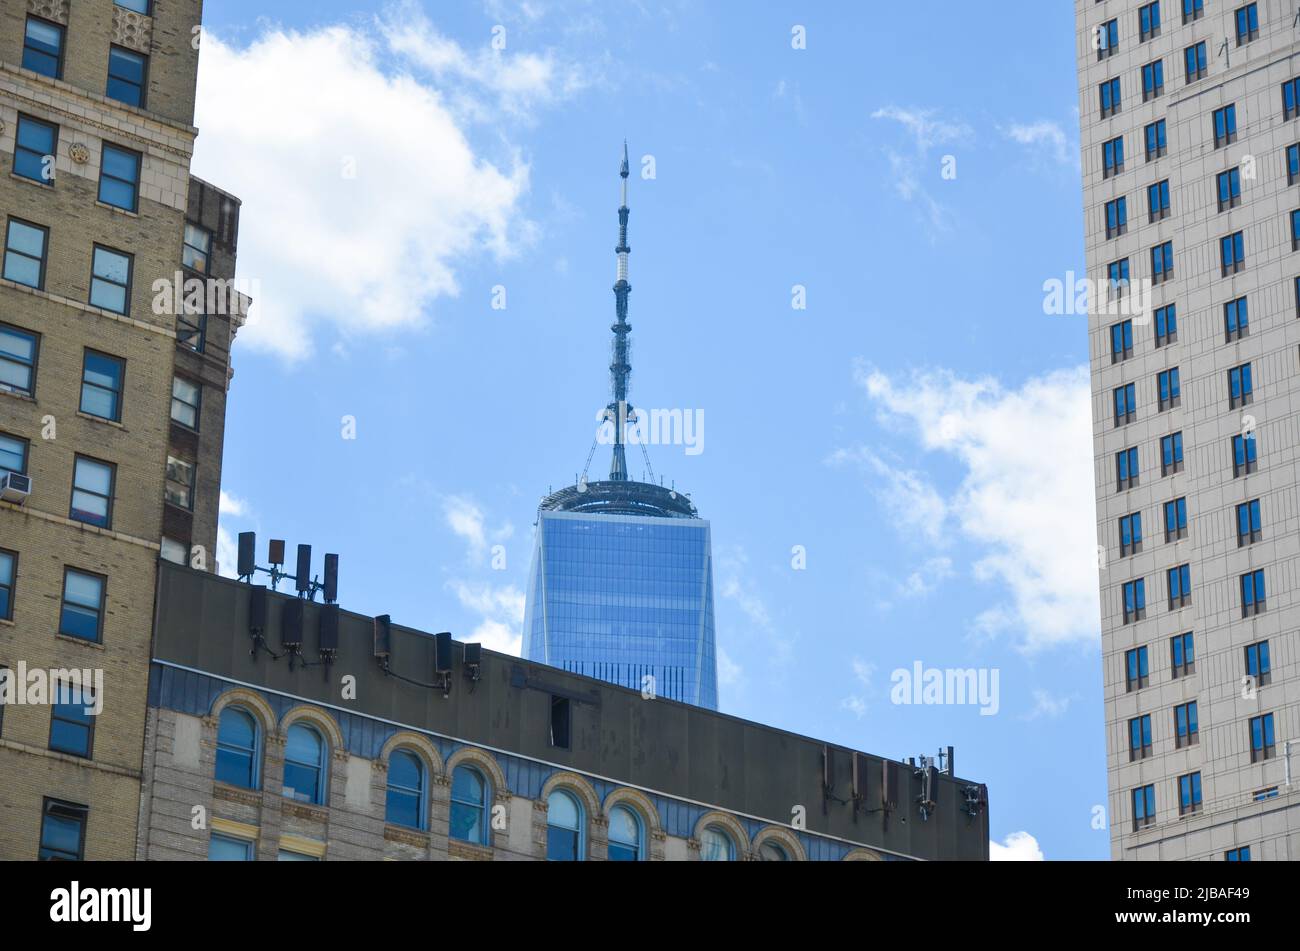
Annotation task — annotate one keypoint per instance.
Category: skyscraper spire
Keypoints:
(621, 369)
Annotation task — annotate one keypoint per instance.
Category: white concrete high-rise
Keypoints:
(1190, 139)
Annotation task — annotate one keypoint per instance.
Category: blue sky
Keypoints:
(922, 428)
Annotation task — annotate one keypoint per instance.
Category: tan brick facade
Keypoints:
(40, 530)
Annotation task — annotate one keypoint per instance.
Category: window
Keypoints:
(197, 246)
(1139, 738)
(138, 6)
(1240, 387)
(1112, 157)
(405, 801)
(126, 76)
(191, 328)
(239, 752)
(1121, 341)
(8, 575)
(1107, 39)
(1180, 586)
(92, 492)
(1225, 125)
(226, 848)
(1126, 469)
(1187, 731)
(1189, 794)
(1290, 98)
(1156, 144)
(1175, 520)
(82, 612)
(17, 360)
(1149, 21)
(13, 454)
(25, 246)
(1144, 807)
(564, 825)
(63, 831)
(43, 48)
(1195, 63)
(1247, 23)
(560, 722)
(1117, 273)
(1244, 460)
(35, 148)
(1171, 454)
(179, 488)
(1167, 387)
(469, 806)
(1249, 523)
(1237, 855)
(1135, 600)
(304, 765)
(186, 397)
(1229, 189)
(626, 842)
(1130, 534)
(1166, 325)
(1182, 650)
(72, 725)
(1162, 262)
(284, 855)
(1137, 674)
(1153, 80)
(1125, 404)
(1116, 217)
(1236, 319)
(101, 385)
(1261, 738)
(172, 550)
(1192, 10)
(1158, 201)
(716, 845)
(1295, 231)
(1108, 93)
(119, 177)
(1292, 164)
(1253, 598)
(110, 280)
(1232, 253)
(1257, 663)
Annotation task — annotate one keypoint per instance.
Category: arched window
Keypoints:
(304, 764)
(716, 845)
(564, 823)
(238, 748)
(469, 806)
(626, 842)
(405, 805)
(772, 851)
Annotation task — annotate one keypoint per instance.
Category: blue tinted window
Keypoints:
(564, 826)
(469, 806)
(1155, 139)
(17, 360)
(304, 765)
(1175, 519)
(35, 150)
(405, 801)
(1247, 18)
(1112, 157)
(1195, 62)
(119, 178)
(139, 6)
(72, 723)
(25, 248)
(126, 76)
(1166, 324)
(83, 605)
(8, 572)
(110, 280)
(43, 48)
(224, 848)
(238, 749)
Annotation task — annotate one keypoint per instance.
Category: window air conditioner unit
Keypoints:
(15, 487)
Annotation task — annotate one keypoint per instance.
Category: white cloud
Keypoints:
(502, 611)
(234, 507)
(1017, 847)
(729, 672)
(287, 119)
(1044, 136)
(856, 703)
(1026, 495)
(927, 578)
(227, 553)
(466, 520)
(912, 503)
(1048, 705)
(927, 132)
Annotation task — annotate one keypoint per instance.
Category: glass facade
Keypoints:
(622, 598)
